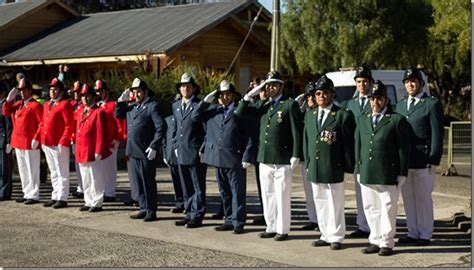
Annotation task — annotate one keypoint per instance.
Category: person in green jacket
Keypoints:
(328, 147)
(279, 151)
(382, 147)
(424, 114)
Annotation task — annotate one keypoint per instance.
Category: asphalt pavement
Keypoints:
(35, 236)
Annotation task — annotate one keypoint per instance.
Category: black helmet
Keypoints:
(309, 89)
(324, 83)
(378, 89)
(364, 72)
(413, 73)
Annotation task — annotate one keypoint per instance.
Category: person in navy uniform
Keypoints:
(231, 149)
(188, 140)
(381, 170)
(5, 149)
(146, 130)
(424, 114)
(359, 105)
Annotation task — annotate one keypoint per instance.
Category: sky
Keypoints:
(268, 4)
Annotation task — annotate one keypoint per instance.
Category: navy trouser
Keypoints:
(5, 175)
(144, 172)
(193, 182)
(178, 190)
(232, 184)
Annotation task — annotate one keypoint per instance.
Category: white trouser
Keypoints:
(58, 164)
(93, 183)
(29, 170)
(110, 174)
(418, 203)
(78, 171)
(361, 220)
(380, 207)
(133, 184)
(308, 193)
(329, 201)
(275, 182)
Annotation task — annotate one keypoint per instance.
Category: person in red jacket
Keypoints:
(26, 115)
(77, 105)
(55, 134)
(113, 139)
(91, 149)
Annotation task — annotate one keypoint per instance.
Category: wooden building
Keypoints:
(208, 35)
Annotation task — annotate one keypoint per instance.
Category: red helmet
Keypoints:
(77, 86)
(87, 89)
(55, 82)
(101, 84)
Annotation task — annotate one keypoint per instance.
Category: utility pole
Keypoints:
(275, 51)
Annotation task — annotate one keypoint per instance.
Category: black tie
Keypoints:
(375, 119)
(412, 103)
(362, 103)
(321, 116)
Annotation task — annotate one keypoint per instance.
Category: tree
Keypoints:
(324, 35)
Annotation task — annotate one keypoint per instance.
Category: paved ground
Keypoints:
(34, 236)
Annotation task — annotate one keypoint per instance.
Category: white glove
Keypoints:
(255, 90)
(201, 157)
(432, 169)
(400, 180)
(210, 97)
(245, 165)
(34, 144)
(125, 96)
(11, 96)
(98, 157)
(293, 162)
(300, 99)
(151, 154)
(8, 148)
(166, 162)
(176, 152)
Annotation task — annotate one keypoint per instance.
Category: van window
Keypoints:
(392, 94)
(344, 93)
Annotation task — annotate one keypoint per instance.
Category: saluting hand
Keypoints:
(12, 94)
(210, 97)
(252, 93)
(300, 99)
(125, 96)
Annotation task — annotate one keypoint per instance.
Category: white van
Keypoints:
(393, 79)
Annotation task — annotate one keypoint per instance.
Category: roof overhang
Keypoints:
(82, 60)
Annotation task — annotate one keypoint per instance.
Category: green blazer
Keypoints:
(327, 159)
(426, 131)
(382, 152)
(280, 129)
(353, 106)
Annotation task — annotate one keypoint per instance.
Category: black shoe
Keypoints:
(238, 229)
(407, 240)
(49, 203)
(385, 251)
(181, 222)
(177, 210)
(78, 195)
(193, 223)
(370, 249)
(138, 215)
(128, 203)
(224, 227)
(20, 200)
(60, 204)
(266, 235)
(109, 199)
(336, 246)
(84, 208)
(95, 209)
(150, 217)
(359, 234)
(31, 201)
(310, 226)
(423, 242)
(319, 243)
(281, 237)
(259, 221)
(218, 216)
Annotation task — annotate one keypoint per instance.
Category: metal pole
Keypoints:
(275, 51)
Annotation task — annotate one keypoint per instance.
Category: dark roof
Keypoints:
(10, 11)
(156, 30)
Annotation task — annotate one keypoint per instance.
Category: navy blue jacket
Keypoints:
(228, 141)
(146, 127)
(189, 133)
(5, 129)
(168, 144)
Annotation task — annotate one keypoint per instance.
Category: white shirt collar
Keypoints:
(381, 113)
(277, 98)
(327, 109)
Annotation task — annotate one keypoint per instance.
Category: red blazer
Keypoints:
(113, 132)
(26, 120)
(90, 135)
(57, 125)
(77, 109)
